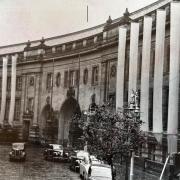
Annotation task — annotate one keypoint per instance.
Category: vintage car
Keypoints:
(86, 163)
(55, 152)
(98, 172)
(76, 159)
(17, 152)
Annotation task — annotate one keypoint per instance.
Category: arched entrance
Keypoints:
(49, 124)
(68, 109)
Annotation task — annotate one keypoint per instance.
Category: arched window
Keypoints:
(58, 79)
(85, 76)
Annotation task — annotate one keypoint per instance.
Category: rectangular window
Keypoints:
(8, 83)
(17, 110)
(49, 81)
(95, 74)
(71, 78)
(48, 51)
(59, 48)
(68, 46)
(90, 41)
(66, 79)
(79, 44)
(30, 103)
(19, 83)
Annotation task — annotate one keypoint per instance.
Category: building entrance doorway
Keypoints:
(68, 130)
(49, 124)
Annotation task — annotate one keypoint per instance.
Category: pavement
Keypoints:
(139, 174)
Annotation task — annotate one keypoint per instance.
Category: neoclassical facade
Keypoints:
(44, 82)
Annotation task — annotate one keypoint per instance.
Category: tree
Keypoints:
(109, 132)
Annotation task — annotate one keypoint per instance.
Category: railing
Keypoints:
(70, 51)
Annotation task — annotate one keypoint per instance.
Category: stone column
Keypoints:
(36, 98)
(4, 85)
(158, 71)
(146, 49)
(134, 40)
(174, 75)
(121, 67)
(13, 90)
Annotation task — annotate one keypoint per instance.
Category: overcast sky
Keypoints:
(22, 20)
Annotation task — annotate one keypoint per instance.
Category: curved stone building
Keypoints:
(44, 82)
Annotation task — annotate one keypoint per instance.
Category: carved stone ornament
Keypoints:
(31, 81)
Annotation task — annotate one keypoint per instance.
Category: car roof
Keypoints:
(18, 143)
(81, 152)
(56, 146)
(101, 165)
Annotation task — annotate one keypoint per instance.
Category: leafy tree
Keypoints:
(109, 132)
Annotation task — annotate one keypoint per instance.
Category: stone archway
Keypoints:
(68, 109)
(49, 125)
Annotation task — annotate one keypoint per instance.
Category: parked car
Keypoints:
(86, 163)
(76, 159)
(53, 152)
(98, 172)
(17, 152)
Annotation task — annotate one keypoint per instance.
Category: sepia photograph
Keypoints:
(90, 90)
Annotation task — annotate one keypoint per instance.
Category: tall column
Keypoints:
(174, 68)
(134, 40)
(146, 49)
(13, 90)
(174, 77)
(158, 71)
(4, 85)
(36, 98)
(121, 67)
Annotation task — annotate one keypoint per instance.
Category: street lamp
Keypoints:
(134, 107)
(88, 113)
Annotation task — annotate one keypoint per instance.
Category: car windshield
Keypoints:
(19, 146)
(98, 171)
(81, 154)
(57, 146)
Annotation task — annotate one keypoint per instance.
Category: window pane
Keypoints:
(17, 110)
(95, 75)
(66, 79)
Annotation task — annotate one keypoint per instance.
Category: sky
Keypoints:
(23, 20)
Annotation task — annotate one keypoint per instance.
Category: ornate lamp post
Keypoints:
(134, 108)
